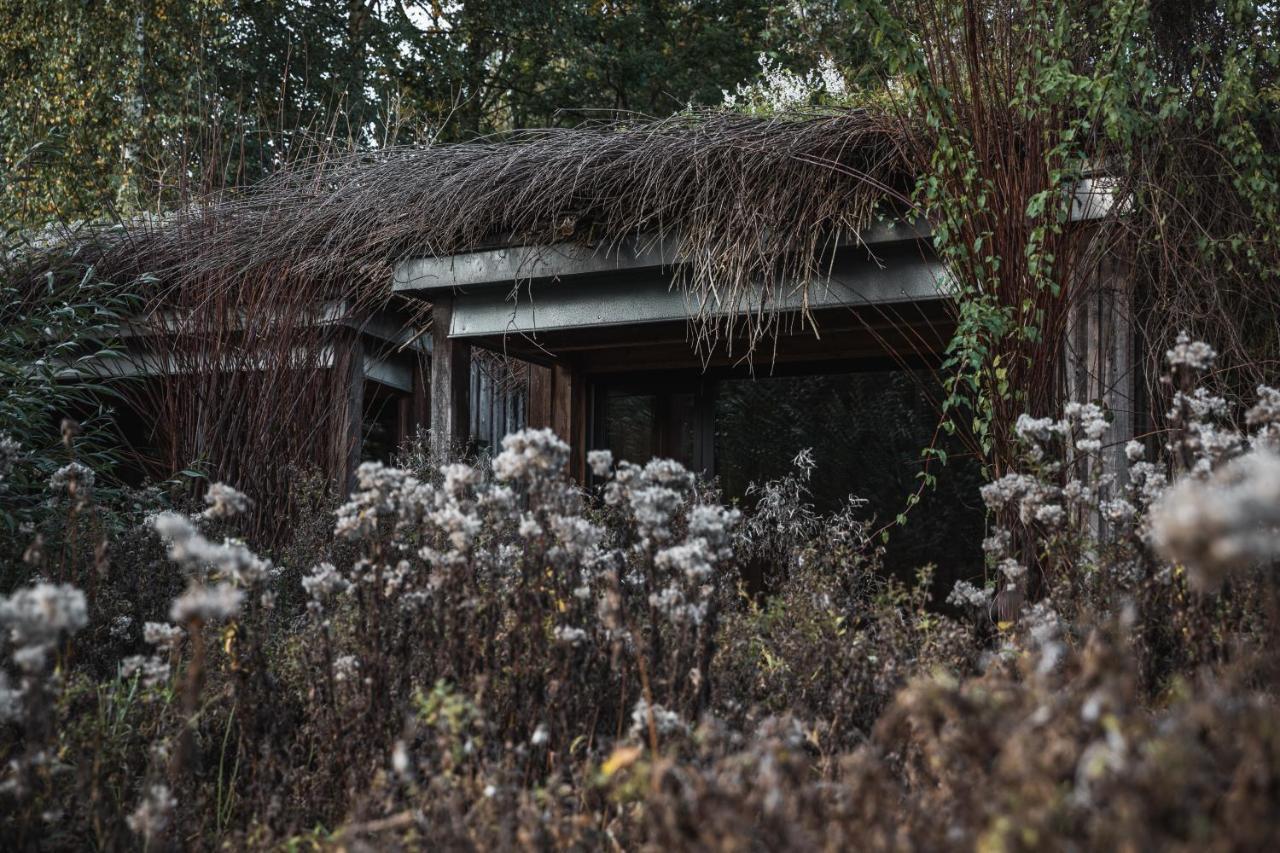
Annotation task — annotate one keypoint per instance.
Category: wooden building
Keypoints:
(625, 313)
(596, 325)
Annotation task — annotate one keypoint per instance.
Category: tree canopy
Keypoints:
(116, 107)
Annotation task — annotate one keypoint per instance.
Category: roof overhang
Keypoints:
(533, 291)
(529, 290)
(386, 370)
(528, 264)
(390, 344)
(894, 275)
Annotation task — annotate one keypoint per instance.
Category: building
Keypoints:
(726, 292)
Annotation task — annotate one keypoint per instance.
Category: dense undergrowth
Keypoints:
(483, 655)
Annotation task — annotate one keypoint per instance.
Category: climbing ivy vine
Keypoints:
(1008, 106)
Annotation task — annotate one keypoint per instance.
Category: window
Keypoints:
(384, 423)
(639, 426)
(865, 428)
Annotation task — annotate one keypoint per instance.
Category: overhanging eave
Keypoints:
(505, 267)
(903, 275)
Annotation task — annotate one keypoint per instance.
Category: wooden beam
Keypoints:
(580, 403)
(850, 346)
(450, 382)
(562, 402)
(570, 403)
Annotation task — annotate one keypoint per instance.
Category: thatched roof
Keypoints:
(747, 200)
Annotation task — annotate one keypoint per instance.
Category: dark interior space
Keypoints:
(134, 420)
(866, 429)
(383, 428)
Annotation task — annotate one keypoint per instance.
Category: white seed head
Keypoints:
(1223, 523)
(216, 603)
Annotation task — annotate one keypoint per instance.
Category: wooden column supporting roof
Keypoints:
(450, 382)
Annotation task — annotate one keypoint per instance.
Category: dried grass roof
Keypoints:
(749, 202)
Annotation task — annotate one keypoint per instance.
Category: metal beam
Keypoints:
(506, 266)
(385, 326)
(1093, 197)
(897, 276)
(394, 372)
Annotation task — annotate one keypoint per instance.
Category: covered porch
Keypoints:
(614, 360)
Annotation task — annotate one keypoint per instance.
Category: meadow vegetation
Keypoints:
(483, 654)
(480, 653)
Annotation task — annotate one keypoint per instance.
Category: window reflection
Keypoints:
(677, 438)
(641, 426)
(866, 431)
(630, 421)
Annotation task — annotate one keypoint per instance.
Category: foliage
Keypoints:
(99, 100)
(50, 336)
(141, 106)
(1021, 101)
(490, 657)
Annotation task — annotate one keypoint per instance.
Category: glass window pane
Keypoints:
(629, 426)
(381, 424)
(678, 428)
(866, 431)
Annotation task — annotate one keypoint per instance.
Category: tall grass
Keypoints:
(485, 655)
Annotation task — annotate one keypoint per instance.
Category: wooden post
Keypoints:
(348, 367)
(579, 419)
(450, 382)
(540, 397)
(569, 404)
(1100, 361)
(562, 402)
